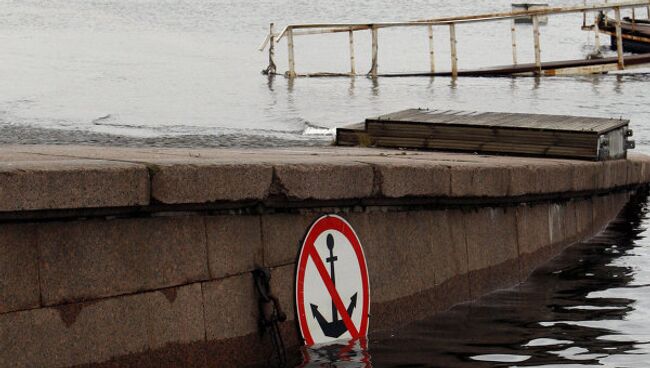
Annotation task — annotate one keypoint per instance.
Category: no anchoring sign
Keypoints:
(332, 293)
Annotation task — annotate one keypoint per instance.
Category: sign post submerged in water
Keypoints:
(332, 288)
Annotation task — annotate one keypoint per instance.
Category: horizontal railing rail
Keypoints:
(292, 30)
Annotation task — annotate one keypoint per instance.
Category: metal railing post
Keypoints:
(454, 57)
(375, 50)
(351, 40)
(431, 52)
(271, 69)
(619, 39)
(596, 34)
(514, 41)
(292, 65)
(538, 51)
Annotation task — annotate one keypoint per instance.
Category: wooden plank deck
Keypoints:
(506, 133)
(548, 68)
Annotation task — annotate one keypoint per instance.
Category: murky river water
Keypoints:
(182, 73)
(187, 73)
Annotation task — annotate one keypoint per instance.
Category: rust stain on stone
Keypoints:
(69, 313)
(277, 188)
(170, 294)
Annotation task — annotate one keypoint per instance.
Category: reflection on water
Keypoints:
(589, 307)
(350, 354)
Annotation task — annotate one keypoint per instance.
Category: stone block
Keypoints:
(479, 180)
(533, 230)
(84, 260)
(283, 283)
(492, 278)
(556, 177)
(231, 308)
(282, 236)
(613, 174)
(557, 219)
(491, 249)
(635, 172)
(619, 200)
(325, 180)
(585, 176)
(491, 236)
(571, 222)
(95, 332)
(47, 185)
(584, 218)
(448, 245)
(18, 268)
(201, 181)
(234, 244)
(642, 164)
(600, 213)
(398, 177)
(523, 180)
(399, 251)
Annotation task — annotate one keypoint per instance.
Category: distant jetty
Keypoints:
(535, 14)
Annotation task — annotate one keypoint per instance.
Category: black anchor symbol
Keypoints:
(337, 327)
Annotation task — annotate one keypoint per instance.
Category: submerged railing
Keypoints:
(293, 30)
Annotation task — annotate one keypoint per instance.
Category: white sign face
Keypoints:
(332, 291)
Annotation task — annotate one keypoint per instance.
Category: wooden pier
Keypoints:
(538, 67)
(489, 132)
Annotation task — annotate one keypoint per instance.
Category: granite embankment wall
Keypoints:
(121, 257)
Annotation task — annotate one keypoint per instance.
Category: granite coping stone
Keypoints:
(71, 183)
(68, 177)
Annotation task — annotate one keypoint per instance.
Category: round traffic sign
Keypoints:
(332, 289)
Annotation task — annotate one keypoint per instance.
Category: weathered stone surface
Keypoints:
(282, 236)
(585, 176)
(234, 244)
(32, 185)
(95, 332)
(398, 177)
(552, 176)
(97, 258)
(491, 236)
(555, 178)
(231, 308)
(612, 174)
(584, 218)
(200, 181)
(326, 180)
(476, 180)
(10, 155)
(18, 268)
(533, 230)
(283, 281)
(254, 350)
(602, 212)
(491, 278)
(491, 243)
(557, 218)
(400, 242)
(523, 180)
(403, 310)
(642, 164)
(571, 223)
(635, 172)
(448, 245)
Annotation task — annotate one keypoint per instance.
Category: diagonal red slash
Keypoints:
(336, 298)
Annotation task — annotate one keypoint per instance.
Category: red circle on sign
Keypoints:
(308, 253)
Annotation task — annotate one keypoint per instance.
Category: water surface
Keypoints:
(589, 307)
(187, 73)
